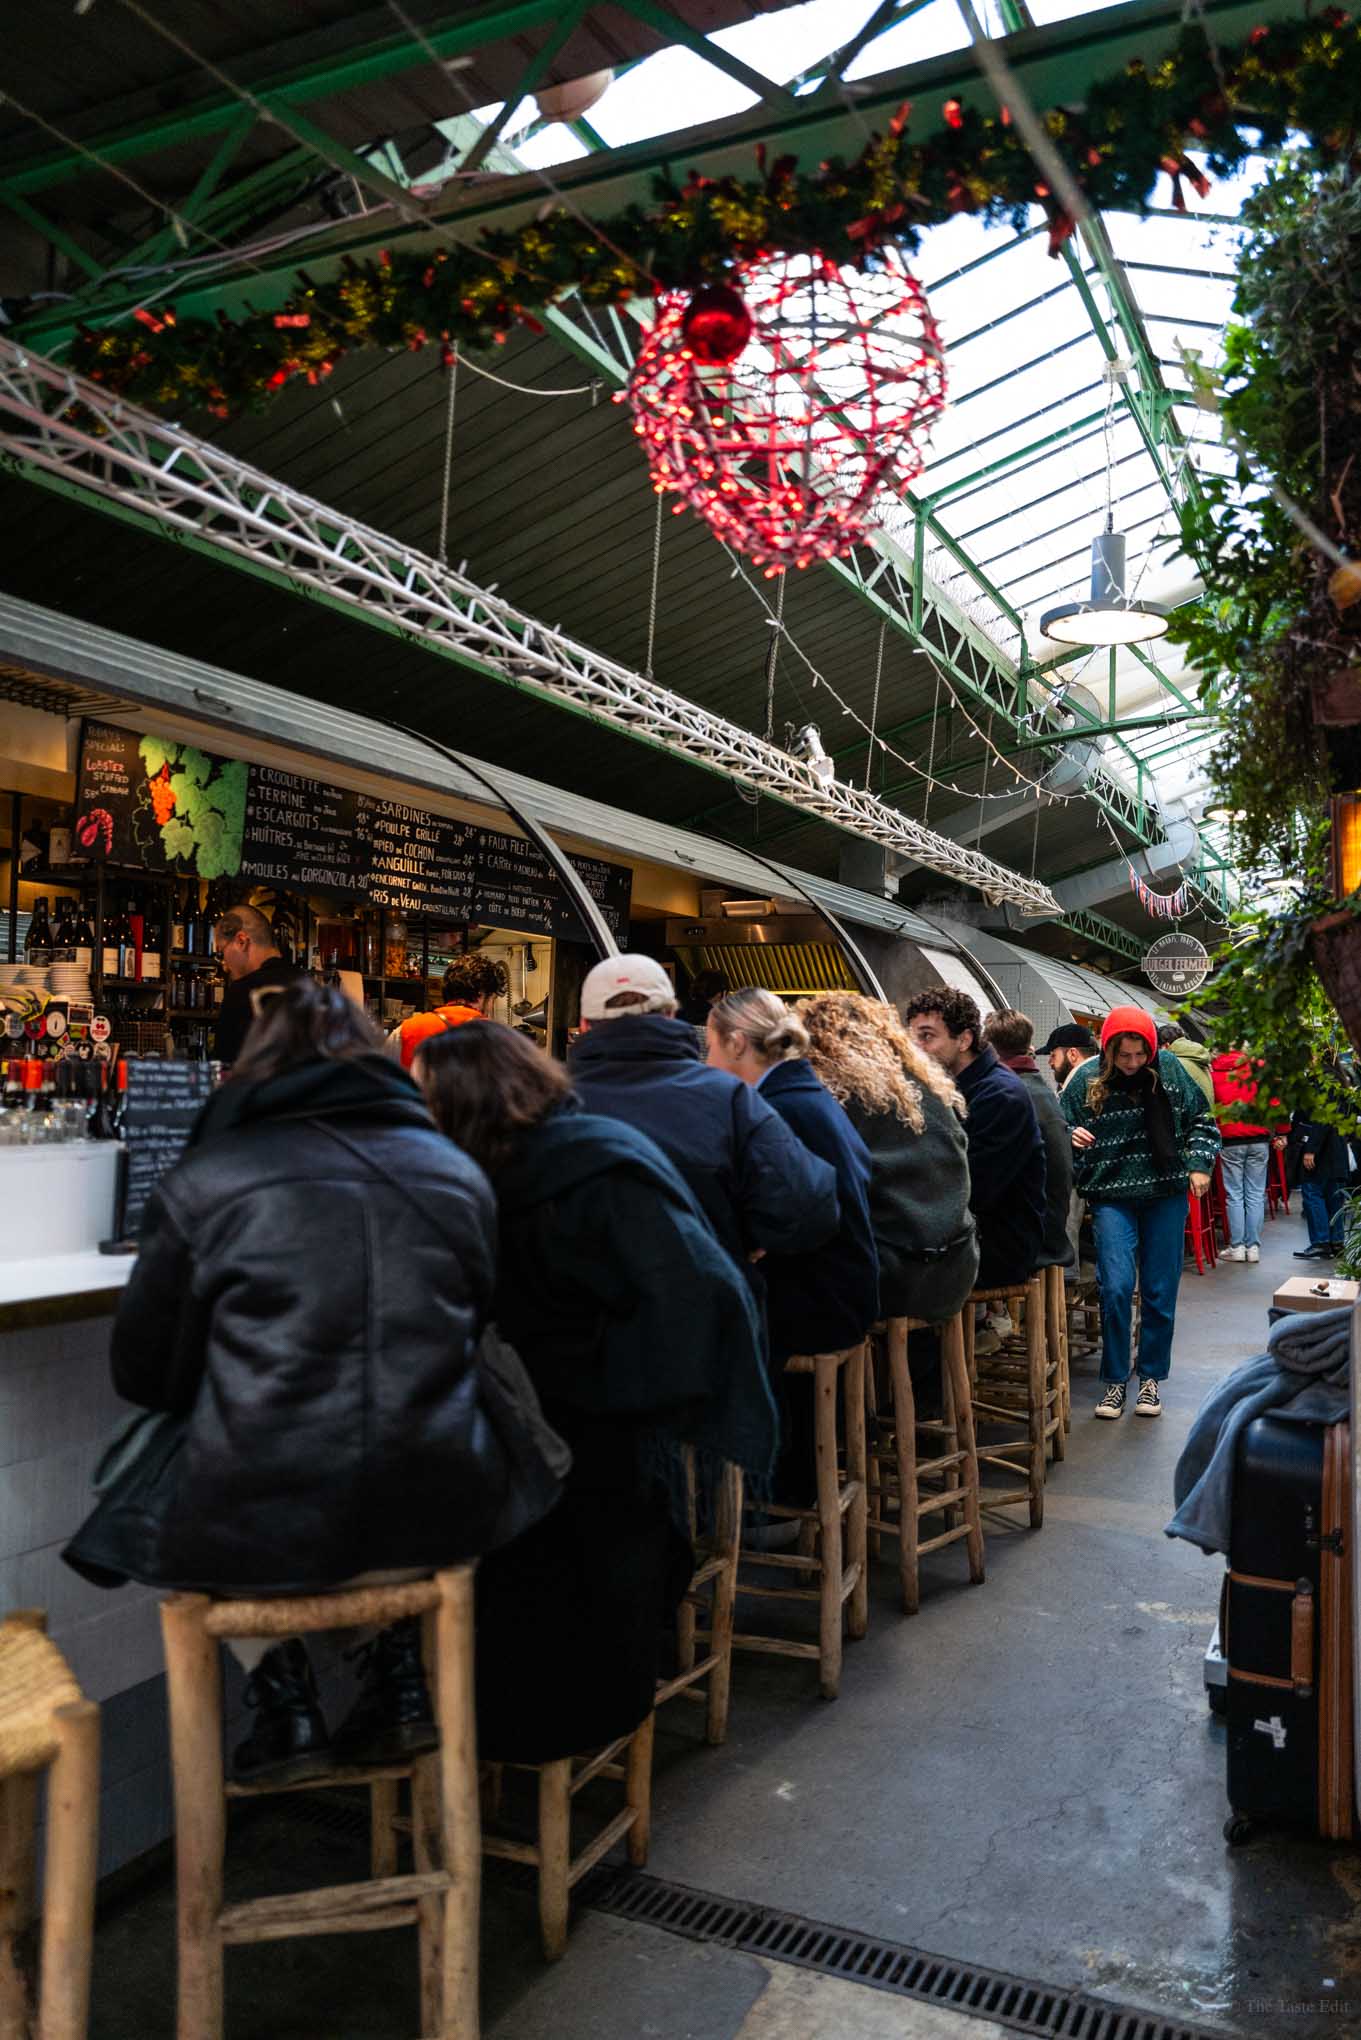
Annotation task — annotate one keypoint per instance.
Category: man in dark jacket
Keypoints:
(249, 958)
(1012, 1034)
(1006, 1149)
(756, 1183)
(1318, 1157)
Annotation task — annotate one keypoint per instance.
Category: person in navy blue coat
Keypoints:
(818, 1302)
(826, 1300)
(1007, 1169)
(765, 1194)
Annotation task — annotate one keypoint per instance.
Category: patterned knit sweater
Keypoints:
(1120, 1168)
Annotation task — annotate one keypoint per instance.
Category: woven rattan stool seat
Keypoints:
(35, 1680)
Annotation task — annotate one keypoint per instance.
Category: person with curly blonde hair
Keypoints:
(910, 1115)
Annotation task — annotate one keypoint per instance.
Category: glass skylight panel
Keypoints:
(930, 33)
(556, 144)
(673, 90)
(1177, 293)
(1047, 479)
(948, 465)
(796, 38)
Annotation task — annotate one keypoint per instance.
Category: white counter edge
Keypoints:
(51, 1275)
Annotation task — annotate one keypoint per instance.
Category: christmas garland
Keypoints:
(1227, 103)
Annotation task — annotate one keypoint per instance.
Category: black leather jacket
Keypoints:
(319, 1335)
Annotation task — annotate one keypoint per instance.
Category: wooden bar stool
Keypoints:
(898, 1477)
(837, 1561)
(1056, 1342)
(46, 1725)
(441, 1897)
(707, 1680)
(551, 1858)
(1016, 1394)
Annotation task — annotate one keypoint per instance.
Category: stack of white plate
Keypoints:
(70, 981)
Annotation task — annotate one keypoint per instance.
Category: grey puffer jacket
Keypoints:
(919, 1209)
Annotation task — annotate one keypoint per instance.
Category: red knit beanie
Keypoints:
(1130, 1020)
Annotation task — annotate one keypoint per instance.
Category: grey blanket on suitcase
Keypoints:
(1304, 1376)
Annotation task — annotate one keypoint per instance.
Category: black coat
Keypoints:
(919, 1208)
(823, 1300)
(755, 1182)
(1056, 1249)
(235, 1014)
(638, 1331)
(319, 1337)
(1006, 1171)
(1332, 1158)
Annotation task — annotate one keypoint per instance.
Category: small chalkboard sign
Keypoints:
(163, 1100)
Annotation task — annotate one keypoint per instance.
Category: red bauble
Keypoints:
(716, 325)
(789, 448)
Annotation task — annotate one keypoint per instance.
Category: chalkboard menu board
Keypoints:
(163, 1101)
(416, 862)
(301, 832)
(154, 801)
(159, 803)
(518, 888)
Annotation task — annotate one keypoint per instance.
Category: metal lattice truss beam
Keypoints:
(1096, 928)
(72, 435)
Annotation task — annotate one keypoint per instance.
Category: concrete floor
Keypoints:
(1025, 1776)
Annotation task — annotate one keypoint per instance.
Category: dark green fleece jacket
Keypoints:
(1120, 1168)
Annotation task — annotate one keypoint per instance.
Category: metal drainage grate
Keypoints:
(883, 1965)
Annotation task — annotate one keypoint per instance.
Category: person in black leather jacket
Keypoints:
(313, 1280)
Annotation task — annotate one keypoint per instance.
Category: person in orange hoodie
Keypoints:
(472, 984)
(1246, 1152)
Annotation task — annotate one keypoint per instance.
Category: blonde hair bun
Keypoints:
(773, 1032)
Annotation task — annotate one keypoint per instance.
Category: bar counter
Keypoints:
(57, 1408)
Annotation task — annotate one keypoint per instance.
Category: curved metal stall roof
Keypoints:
(99, 670)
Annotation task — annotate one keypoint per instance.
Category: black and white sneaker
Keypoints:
(1148, 1403)
(1112, 1403)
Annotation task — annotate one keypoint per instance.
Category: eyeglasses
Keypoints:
(262, 996)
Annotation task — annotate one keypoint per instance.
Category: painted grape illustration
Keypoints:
(196, 805)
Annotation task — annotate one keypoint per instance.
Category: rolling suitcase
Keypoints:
(1288, 1632)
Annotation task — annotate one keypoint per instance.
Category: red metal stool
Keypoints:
(1200, 1231)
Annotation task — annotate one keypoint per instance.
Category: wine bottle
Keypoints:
(38, 938)
(83, 937)
(177, 921)
(152, 935)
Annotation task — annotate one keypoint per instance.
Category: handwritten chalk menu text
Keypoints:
(300, 832)
(163, 1101)
(156, 802)
(417, 862)
(518, 888)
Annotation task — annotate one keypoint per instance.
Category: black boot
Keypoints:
(289, 1740)
(392, 1719)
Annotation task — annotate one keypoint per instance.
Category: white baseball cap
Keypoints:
(605, 981)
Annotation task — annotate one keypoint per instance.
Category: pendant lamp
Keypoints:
(1109, 616)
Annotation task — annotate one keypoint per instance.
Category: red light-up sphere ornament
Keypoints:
(786, 428)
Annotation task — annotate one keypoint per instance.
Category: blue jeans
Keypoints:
(1244, 1165)
(1322, 1201)
(1147, 1239)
